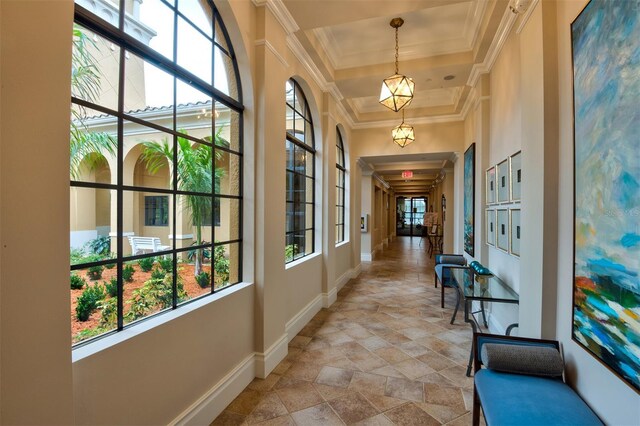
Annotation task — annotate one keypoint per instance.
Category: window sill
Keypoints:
(343, 243)
(301, 260)
(115, 339)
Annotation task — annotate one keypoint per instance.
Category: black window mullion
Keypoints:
(119, 192)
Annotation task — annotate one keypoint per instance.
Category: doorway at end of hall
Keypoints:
(410, 215)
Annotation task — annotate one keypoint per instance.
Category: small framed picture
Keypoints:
(515, 232)
(491, 185)
(364, 223)
(515, 172)
(502, 231)
(502, 179)
(491, 227)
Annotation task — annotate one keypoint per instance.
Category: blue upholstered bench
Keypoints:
(443, 264)
(522, 384)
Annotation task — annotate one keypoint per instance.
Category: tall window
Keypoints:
(156, 161)
(340, 186)
(300, 175)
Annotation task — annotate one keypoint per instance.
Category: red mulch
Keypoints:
(139, 278)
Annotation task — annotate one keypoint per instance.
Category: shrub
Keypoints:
(158, 274)
(88, 301)
(146, 263)
(112, 287)
(110, 265)
(203, 279)
(289, 251)
(95, 272)
(127, 273)
(166, 264)
(153, 295)
(109, 317)
(220, 265)
(76, 256)
(100, 246)
(77, 282)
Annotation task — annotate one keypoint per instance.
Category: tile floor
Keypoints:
(383, 354)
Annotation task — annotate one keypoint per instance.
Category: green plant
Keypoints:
(77, 282)
(158, 274)
(109, 316)
(88, 301)
(206, 253)
(95, 272)
(100, 245)
(166, 264)
(220, 264)
(289, 251)
(195, 174)
(153, 295)
(146, 263)
(203, 279)
(112, 287)
(76, 256)
(127, 273)
(110, 265)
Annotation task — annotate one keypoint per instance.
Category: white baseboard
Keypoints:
(214, 401)
(303, 317)
(379, 248)
(328, 299)
(368, 257)
(343, 279)
(356, 271)
(385, 242)
(268, 360)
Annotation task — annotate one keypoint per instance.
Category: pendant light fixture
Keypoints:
(403, 134)
(397, 90)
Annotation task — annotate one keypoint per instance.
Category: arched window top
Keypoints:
(185, 37)
(299, 122)
(339, 150)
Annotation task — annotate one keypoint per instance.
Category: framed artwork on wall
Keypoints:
(606, 289)
(491, 227)
(491, 186)
(502, 179)
(515, 173)
(514, 232)
(502, 229)
(469, 198)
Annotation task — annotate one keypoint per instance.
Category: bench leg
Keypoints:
(455, 311)
(442, 296)
(435, 279)
(476, 408)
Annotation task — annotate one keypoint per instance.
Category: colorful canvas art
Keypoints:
(606, 58)
(469, 197)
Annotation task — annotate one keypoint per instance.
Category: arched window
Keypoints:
(340, 187)
(156, 160)
(300, 173)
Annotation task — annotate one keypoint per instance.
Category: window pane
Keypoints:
(194, 273)
(299, 126)
(93, 145)
(194, 116)
(225, 73)
(92, 225)
(148, 156)
(289, 248)
(108, 11)
(194, 51)
(154, 27)
(156, 210)
(299, 103)
(227, 173)
(298, 185)
(226, 265)
(229, 228)
(308, 134)
(308, 216)
(194, 218)
(309, 242)
(289, 114)
(290, 157)
(195, 167)
(309, 188)
(227, 128)
(146, 292)
(299, 217)
(148, 92)
(200, 16)
(140, 237)
(93, 308)
(95, 68)
(309, 159)
(290, 193)
(289, 220)
(299, 245)
(300, 160)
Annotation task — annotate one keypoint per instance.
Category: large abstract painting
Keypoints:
(606, 297)
(469, 197)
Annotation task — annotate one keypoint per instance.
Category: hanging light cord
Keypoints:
(396, 50)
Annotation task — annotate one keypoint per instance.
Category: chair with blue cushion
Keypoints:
(444, 263)
(522, 384)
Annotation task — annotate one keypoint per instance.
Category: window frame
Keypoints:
(126, 43)
(342, 173)
(309, 149)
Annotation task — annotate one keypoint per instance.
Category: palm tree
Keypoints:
(85, 146)
(194, 169)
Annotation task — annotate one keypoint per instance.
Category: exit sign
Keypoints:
(407, 174)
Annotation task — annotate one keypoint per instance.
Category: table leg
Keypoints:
(467, 308)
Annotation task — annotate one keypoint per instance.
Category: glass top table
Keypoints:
(483, 289)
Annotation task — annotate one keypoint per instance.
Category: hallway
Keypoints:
(383, 354)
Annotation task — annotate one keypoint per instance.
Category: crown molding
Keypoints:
(527, 15)
(269, 46)
(412, 121)
(281, 13)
